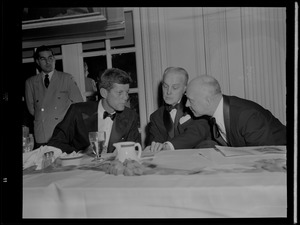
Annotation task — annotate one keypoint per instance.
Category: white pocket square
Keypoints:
(184, 119)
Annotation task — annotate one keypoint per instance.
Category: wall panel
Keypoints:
(182, 39)
(264, 54)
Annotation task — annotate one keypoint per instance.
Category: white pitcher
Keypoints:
(127, 150)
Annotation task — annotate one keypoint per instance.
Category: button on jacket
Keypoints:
(49, 105)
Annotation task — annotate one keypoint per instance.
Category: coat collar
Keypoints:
(226, 111)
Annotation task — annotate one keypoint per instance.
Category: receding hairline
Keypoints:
(206, 84)
(177, 70)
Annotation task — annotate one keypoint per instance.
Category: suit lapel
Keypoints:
(117, 131)
(226, 112)
(89, 115)
(91, 122)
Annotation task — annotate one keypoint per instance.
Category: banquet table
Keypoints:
(187, 183)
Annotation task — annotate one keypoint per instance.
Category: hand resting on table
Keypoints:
(156, 147)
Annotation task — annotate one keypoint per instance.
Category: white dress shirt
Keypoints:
(219, 115)
(173, 114)
(104, 124)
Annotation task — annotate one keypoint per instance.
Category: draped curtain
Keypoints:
(244, 48)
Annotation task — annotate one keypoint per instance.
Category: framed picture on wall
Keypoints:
(70, 24)
(47, 17)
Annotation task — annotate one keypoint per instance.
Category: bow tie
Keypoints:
(169, 108)
(106, 114)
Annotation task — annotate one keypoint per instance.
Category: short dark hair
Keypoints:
(112, 76)
(41, 49)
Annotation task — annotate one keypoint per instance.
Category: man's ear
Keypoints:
(208, 100)
(103, 92)
(37, 62)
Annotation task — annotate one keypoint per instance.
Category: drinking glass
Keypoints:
(97, 140)
(28, 143)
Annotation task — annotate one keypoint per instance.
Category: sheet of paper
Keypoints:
(252, 150)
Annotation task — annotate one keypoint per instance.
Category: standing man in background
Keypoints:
(48, 95)
(235, 121)
(171, 126)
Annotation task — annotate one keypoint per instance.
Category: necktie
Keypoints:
(106, 114)
(172, 127)
(216, 133)
(46, 80)
(179, 114)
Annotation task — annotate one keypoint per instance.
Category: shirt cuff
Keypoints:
(170, 145)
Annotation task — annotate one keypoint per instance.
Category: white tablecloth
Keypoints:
(228, 187)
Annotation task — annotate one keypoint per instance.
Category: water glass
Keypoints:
(28, 143)
(97, 140)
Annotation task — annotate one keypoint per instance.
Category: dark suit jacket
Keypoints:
(71, 134)
(191, 133)
(249, 124)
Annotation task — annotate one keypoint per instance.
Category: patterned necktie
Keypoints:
(216, 133)
(46, 80)
(106, 114)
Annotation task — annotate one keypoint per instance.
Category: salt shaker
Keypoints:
(47, 159)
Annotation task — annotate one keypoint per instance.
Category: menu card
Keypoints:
(251, 150)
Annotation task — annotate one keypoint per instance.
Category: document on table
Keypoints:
(252, 150)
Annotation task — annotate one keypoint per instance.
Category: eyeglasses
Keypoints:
(44, 60)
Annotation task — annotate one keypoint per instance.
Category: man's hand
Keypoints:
(156, 146)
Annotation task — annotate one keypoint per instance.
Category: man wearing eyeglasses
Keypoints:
(48, 95)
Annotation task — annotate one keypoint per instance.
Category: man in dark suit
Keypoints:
(237, 122)
(171, 126)
(109, 114)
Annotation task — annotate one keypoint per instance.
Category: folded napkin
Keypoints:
(35, 157)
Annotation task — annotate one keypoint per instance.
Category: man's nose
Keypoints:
(125, 96)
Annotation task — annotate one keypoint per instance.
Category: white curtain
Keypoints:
(244, 48)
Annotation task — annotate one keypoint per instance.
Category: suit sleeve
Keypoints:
(70, 134)
(257, 131)
(196, 132)
(154, 133)
(75, 94)
(29, 97)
